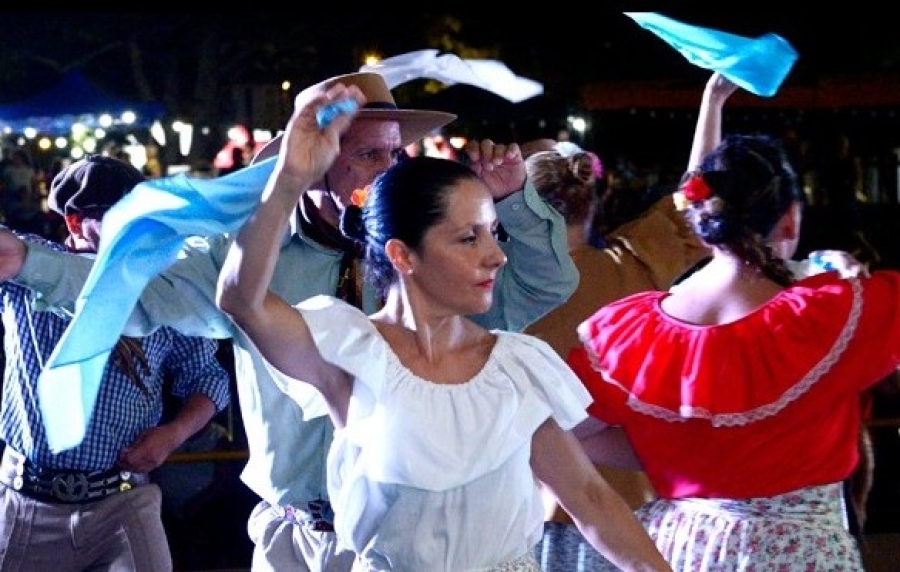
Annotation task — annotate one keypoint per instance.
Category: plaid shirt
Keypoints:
(178, 364)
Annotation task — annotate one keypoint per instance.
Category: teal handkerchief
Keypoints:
(758, 65)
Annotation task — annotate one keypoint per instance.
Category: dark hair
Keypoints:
(566, 183)
(403, 203)
(752, 185)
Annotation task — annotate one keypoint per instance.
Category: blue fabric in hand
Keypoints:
(142, 235)
(758, 65)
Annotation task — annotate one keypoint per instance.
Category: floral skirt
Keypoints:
(798, 531)
(525, 563)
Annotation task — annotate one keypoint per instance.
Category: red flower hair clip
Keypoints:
(696, 189)
(359, 196)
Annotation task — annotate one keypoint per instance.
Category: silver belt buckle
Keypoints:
(72, 487)
(125, 484)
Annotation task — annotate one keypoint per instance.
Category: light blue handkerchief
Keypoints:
(142, 235)
(758, 65)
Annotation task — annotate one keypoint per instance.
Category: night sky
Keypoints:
(562, 48)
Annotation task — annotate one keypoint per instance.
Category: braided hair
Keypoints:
(737, 196)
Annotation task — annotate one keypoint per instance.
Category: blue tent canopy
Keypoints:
(74, 98)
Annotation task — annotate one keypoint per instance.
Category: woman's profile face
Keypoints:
(458, 261)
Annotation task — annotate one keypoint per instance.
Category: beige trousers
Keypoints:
(120, 533)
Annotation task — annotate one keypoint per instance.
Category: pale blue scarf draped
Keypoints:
(758, 65)
(142, 235)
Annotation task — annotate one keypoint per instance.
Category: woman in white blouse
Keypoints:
(442, 427)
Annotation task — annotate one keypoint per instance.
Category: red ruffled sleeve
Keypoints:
(735, 373)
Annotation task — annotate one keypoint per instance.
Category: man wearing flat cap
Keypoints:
(289, 439)
(84, 191)
(99, 490)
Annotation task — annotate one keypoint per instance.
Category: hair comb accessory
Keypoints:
(329, 112)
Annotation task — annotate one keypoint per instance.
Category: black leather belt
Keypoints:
(62, 486)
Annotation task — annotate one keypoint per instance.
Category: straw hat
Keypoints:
(414, 123)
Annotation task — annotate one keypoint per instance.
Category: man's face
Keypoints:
(368, 148)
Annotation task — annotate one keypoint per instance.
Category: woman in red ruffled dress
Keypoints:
(739, 389)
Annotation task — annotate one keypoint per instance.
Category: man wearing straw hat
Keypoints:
(291, 527)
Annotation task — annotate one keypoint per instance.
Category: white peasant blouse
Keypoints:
(437, 477)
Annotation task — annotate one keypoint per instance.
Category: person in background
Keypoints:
(54, 225)
(720, 383)
(153, 167)
(21, 195)
(450, 422)
(646, 253)
(93, 507)
(839, 182)
(240, 158)
(292, 526)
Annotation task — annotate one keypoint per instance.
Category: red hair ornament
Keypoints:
(696, 189)
(359, 196)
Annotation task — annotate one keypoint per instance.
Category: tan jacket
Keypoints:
(647, 253)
